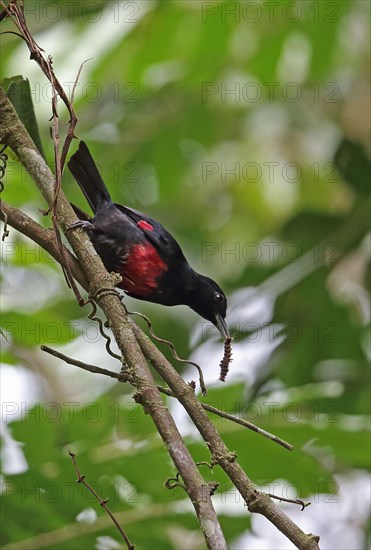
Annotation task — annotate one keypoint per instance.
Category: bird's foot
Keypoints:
(81, 224)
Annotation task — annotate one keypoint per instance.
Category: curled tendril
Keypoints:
(92, 315)
(171, 347)
(173, 482)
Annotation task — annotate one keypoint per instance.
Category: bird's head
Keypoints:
(208, 300)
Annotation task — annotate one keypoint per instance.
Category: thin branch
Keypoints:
(122, 377)
(57, 187)
(103, 503)
(291, 500)
(72, 98)
(238, 420)
(58, 184)
(248, 425)
(45, 238)
(6, 12)
(81, 365)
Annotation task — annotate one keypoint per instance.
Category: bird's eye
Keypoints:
(219, 297)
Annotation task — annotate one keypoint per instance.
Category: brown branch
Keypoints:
(72, 98)
(249, 425)
(237, 420)
(102, 502)
(81, 365)
(122, 377)
(45, 238)
(240, 421)
(58, 183)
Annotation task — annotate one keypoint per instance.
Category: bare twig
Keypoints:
(58, 184)
(102, 502)
(122, 377)
(6, 11)
(291, 500)
(81, 365)
(238, 420)
(72, 98)
(45, 238)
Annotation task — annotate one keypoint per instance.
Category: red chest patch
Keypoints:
(141, 269)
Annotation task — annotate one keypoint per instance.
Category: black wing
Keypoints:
(166, 245)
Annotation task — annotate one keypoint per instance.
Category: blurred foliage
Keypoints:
(243, 127)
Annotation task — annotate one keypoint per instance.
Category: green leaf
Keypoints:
(18, 91)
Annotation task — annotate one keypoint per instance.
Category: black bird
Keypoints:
(149, 260)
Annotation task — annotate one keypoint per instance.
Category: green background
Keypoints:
(244, 128)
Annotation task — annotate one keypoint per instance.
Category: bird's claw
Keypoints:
(81, 224)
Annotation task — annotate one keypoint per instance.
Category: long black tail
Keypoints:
(85, 172)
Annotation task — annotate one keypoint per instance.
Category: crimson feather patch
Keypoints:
(145, 225)
(141, 270)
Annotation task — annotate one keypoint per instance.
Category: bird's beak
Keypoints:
(221, 325)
